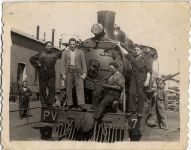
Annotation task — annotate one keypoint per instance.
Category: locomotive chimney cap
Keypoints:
(97, 29)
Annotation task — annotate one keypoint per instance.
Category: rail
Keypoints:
(28, 112)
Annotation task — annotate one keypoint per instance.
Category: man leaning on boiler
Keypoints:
(74, 71)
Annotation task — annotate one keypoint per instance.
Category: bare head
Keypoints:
(138, 51)
(113, 67)
(48, 46)
(25, 84)
(160, 83)
(72, 43)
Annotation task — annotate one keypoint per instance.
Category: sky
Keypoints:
(163, 26)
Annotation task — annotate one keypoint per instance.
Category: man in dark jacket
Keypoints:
(111, 91)
(45, 63)
(140, 77)
(24, 96)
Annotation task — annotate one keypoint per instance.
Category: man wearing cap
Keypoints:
(140, 77)
(110, 92)
(45, 63)
(74, 71)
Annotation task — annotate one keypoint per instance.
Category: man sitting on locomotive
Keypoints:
(110, 92)
(140, 77)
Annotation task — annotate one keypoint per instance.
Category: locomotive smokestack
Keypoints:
(37, 32)
(107, 20)
(53, 31)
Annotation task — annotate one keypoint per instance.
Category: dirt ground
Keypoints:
(22, 131)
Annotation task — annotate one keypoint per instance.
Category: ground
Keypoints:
(23, 130)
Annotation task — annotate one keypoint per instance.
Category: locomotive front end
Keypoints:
(116, 124)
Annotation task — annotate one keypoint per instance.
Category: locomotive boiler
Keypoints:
(116, 124)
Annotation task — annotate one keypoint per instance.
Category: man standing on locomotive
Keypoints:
(110, 92)
(140, 77)
(45, 63)
(74, 71)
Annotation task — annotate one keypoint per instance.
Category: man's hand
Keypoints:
(124, 51)
(117, 43)
(148, 79)
(39, 64)
(146, 83)
(155, 94)
(83, 76)
(105, 85)
(64, 76)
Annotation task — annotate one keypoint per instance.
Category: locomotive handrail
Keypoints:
(115, 42)
(24, 109)
(27, 111)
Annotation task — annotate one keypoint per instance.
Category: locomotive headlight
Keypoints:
(97, 29)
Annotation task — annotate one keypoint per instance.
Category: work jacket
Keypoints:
(80, 63)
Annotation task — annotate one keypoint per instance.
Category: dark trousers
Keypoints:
(106, 99)
(23, 106)
(136, 95)
(44, 83)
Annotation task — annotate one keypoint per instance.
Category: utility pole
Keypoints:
(53, 32)
(44, 35)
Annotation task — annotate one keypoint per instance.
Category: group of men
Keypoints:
(74, 71)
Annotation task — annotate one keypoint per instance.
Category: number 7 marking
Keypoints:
(135, 122)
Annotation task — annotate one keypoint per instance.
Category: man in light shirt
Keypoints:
(74, 71)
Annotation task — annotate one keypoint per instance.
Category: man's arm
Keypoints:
(147, 79)
(120, 84)
(59, 54)
(30, 92)
(34, 60)
(165, 100)
(115, 87)
(124, 51)
(83, 61)
(149, 71)
(129, 56)
(63, 65)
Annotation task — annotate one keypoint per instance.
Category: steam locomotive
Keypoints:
(116, 124)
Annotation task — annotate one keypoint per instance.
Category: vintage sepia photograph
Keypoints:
(95, 75)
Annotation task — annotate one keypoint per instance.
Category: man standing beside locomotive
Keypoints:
(74, 71)
(45, 63)
(140, 77)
